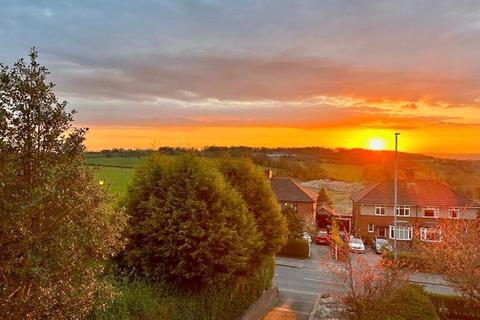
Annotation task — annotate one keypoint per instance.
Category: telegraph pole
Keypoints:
(395, 194)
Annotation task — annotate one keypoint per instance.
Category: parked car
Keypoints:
(322, 237)
(307, 237)
(356, 245)
(379, 244)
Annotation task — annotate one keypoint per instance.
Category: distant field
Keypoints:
(130, 162)
(117, 179)
(115, 172)
(344, 172)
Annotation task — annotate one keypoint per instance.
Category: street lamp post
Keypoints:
(395, 194)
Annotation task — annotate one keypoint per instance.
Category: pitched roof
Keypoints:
(418, 193)
(289, 190)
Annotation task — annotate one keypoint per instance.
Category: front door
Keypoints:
(382, 232)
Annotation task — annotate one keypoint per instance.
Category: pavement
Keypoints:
(301, 283)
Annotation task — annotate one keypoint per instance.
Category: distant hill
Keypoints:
(458, 156)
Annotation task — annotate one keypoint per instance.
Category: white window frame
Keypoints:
(403, 232)
(424, 234)
(454, 209)
(371, 228)
(406, 209)
(379, 208)
(436, 212)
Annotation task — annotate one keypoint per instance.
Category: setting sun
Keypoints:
(376, 144)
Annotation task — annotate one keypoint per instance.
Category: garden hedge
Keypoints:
(298, 248)
(140, 299)
(454, 307)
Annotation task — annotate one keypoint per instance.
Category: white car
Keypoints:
(356, 245)
(307, 237)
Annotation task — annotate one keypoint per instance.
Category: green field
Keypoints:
(130, 162)
(344, 172)
(117, 179)
(115, 172)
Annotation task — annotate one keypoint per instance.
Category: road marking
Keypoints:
(324, 281)
(299, 291)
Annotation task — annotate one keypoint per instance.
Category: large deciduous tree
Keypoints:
(56, 223)
(188, 227)
(457, 256)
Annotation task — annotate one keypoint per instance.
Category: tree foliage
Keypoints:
(56, 224)
(323, 199)
(255, 190)
(458, 250)
(295, 224)
(188, 226)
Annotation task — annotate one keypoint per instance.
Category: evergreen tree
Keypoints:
(255, 190)
(323, 198)
(56, 224)
(187, 226)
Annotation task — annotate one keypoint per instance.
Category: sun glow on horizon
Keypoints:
(376, 144)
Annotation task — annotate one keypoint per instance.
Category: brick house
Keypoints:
(421, 205)
(290, 193)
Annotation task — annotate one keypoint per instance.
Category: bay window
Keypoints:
(430, 235)
(402, 232)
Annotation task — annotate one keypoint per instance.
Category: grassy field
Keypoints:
(344, 172)
(117, 179)
(130, 162)
(115, 172)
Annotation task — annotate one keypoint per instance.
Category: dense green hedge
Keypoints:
(296, 248)
(141, 300)
(454, 307)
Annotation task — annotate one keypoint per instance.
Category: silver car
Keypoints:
(380, 244)
(356, 245)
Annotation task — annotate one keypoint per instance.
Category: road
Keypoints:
(301, 281)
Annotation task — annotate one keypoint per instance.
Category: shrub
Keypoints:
(411, 260)
(408, 302)
(143, 300)
(454, 307)
(295, 224)
(187, 226)
(296, 248)
(255, 190)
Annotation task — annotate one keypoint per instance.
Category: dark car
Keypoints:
(379, 244)
(322, 237)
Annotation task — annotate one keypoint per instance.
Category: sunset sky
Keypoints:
(261, 73)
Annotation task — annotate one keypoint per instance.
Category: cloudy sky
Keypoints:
(279, 72)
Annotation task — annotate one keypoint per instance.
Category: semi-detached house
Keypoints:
(290, 193)
(421, 205)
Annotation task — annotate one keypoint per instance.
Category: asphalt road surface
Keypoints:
(301, 281)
